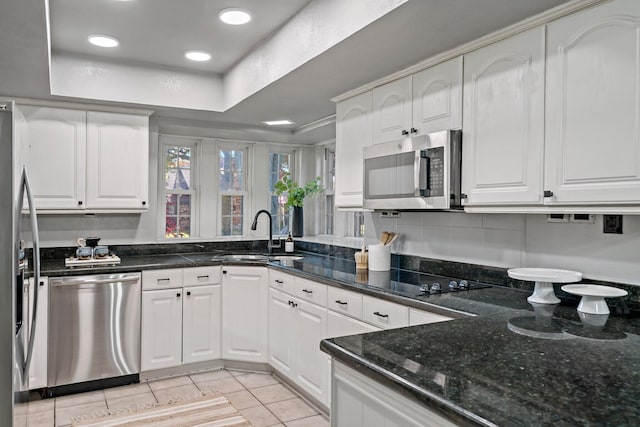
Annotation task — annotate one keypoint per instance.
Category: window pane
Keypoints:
(279, 164)
(232, 211)
(185, 227)
(329, 206)
(172, 203)
(185, 205)
(171, 227)
(231, 170)
(177, 173)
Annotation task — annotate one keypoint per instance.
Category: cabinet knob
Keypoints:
(548, 193)
(188, 293)
(464, 196)
(414, 130)
(224, 271)
(79, 202)
(144, 203)
(178, 295)
(405, 132)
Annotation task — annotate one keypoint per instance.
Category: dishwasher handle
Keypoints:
(79, 282)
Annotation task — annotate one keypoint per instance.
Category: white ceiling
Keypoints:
(158, 32)
(409, 34)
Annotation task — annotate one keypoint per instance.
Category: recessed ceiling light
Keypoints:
(234, 16)
(197, 55)
(103, 40)
(278, 122)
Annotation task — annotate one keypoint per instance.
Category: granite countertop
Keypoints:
(500, 363)
(510, 368)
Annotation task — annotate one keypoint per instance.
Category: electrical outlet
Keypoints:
(556, 217)
(389, 214)
(612, 224)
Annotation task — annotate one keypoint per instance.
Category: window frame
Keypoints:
(165, 141)
(291, 151)
(221, 145)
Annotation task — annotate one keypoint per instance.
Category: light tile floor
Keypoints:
(261, 398)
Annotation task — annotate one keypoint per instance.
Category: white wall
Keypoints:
(510, 240)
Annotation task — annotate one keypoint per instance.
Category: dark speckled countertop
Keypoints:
(500, 363)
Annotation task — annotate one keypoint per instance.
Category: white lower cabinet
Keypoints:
(361, 402)
(201, 323)
(244, 314)
(182, 324)
(38, 367)
(161, 329)
(296, 328)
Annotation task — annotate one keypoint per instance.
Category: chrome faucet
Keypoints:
(254, 225)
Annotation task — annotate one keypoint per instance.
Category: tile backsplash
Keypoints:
(514, 240)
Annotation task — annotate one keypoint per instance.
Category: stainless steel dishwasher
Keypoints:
(94, 327)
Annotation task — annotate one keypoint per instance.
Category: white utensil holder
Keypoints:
(379, 257)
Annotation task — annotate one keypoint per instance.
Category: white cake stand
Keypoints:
(593, 296)
(544, 279)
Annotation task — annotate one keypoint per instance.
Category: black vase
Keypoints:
(297, 222)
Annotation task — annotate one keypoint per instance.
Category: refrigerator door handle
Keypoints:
(26, 187)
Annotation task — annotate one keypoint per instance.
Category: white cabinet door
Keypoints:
(161, 333)
(392, 111)
(593, 106)
(201, 323)
(311, 362)
(244, 314)
(437, 97)
(503, 121)
(361, 402)
(54, 153)
(353, 133)
(117, 161)
(38, 367)
(281, 332)
(339, 325)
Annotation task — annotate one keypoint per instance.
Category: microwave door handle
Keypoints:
(424, 186)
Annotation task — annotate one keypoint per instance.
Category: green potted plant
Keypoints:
(295, 198)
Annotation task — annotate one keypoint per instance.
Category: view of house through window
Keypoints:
(178, 191)
(330, 184)
(279, 164)
(232, 190)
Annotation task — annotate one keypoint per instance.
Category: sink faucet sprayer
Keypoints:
(254, 225)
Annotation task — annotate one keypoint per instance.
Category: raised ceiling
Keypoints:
(408, 33)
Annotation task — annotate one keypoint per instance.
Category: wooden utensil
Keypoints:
(393, 238)
(384, 237)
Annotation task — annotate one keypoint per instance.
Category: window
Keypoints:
(330, 184)
(279, 164)
(232, 189)
(178, 188)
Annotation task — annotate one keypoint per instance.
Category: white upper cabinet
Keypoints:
(117, 161)
(392, 111)
(593, 106)
(503, 121)
(85, 161)
(437, 98)
(353, 133)
(54, 153)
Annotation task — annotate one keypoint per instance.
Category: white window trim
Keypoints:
(195, 144)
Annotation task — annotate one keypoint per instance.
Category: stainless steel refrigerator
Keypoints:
(17, 330)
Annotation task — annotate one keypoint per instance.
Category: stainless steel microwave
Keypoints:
(420, 172)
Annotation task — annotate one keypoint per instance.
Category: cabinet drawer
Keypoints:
(311, 291)
(281, 281)
(162, 279)
(198, 276)
(384, 314)
(345, 302)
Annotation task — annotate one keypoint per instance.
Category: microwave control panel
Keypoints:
(435, 172)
